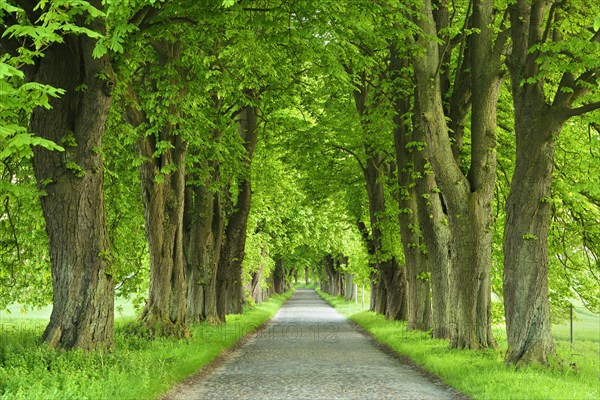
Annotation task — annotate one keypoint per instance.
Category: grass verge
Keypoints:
(483, 374)
(137, 369)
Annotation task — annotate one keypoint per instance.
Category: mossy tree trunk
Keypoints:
(162, 176)
(73, 204)
(468, 198)
(203, 233)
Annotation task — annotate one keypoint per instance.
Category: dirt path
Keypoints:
(309, 351)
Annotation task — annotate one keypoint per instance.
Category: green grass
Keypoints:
(137, 369)
(586, 327)
(483, 374)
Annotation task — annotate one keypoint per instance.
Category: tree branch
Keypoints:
(352, 153)
(582, 110)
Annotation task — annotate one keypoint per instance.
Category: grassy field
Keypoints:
(586, 327)
(483, 374)
(137, 369)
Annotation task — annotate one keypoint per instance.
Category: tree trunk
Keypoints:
(436, 235)
(393, 279)
(165, 310)
(528, 207)
(73, 204)
(378, 295)
(255, 284)
(306, 275)
(468, 198)
(279, 283)
(349, 290)
(229, 276)
(418, 315)
(203, 232)
(526, 246)
(163, 197)
(418, 305)
(528, 211)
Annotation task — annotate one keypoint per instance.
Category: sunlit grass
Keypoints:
(137, 369)
(483, 374)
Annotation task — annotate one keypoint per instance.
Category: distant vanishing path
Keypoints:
(309, 351)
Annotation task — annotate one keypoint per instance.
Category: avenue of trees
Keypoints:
(197, 156)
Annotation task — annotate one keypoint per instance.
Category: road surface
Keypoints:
(309, 351)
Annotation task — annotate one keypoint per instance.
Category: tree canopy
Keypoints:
(196, 156)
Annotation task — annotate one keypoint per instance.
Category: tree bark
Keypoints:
(528, 210)
(436, 235)
(73, 205)
(165, 310)
(256, 282)
(229, 277)
(279, 284)
(203, 233)
(393, 279)
(418, 306)
(349, 290)
(468, 198)
(163, 198)
(527, 308)
(389, 294)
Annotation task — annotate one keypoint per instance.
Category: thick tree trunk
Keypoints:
(526, 239)
(165, 310)
(378, 295)
(393, 280)
(528, 207)
(470, 283)
(418, 307)
(468, 198)
(526, 258)
(279, 284)
(229, 276)
(350, 288)
(306, 275)
(73, 206)
(329, 266)
(279, 277)
(163, 197)
(418, 315)
(436, 235)
(203, 232)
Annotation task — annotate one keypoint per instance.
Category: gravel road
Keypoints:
(309, 351)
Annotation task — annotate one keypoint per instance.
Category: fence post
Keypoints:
(571, 323)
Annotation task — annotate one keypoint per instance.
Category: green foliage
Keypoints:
(130, 268)
(24, 260)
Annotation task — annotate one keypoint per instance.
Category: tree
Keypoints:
(162, 174)
(552, 80)
(467, 196)
(73, 204)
